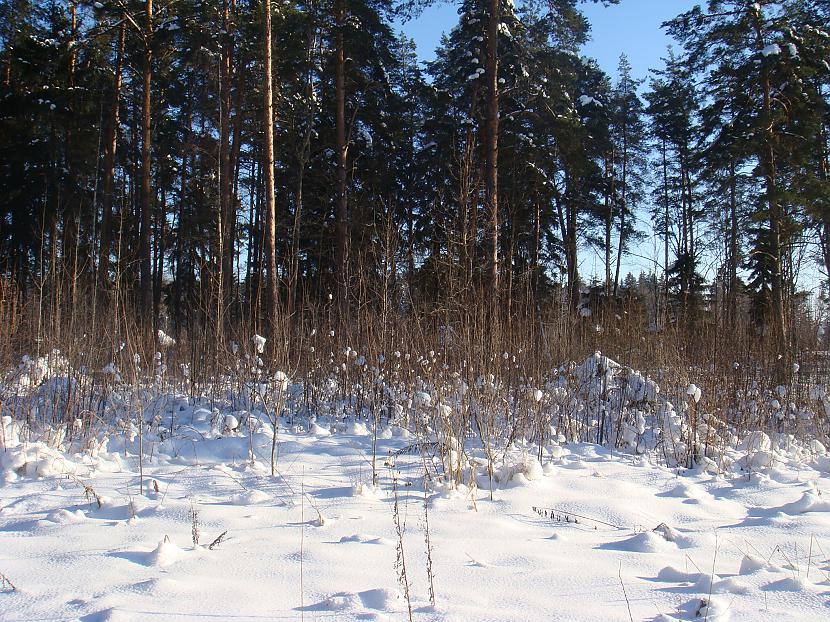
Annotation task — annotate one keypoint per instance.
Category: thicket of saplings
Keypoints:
(469, 385)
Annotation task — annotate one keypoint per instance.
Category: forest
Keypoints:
(295, 326)
(212, 170)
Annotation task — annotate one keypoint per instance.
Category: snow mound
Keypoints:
(381, 599)
(687, 490)
(65, 517)
(790, 584)
(316, 430)
(377, 599)
(705, 582)
(670, 574)
(756, 441)
(34, 460)
(810, 501)
(165, 554)
(644, 542)
(822, 463)
(751, 564)
(731, 585)
(527, 469)
(671, 535)
(366, 491)
(250, 497)
(344, 601)
(357, 428)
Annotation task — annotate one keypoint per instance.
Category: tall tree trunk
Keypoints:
(342, 233)
(666, 228)
(146, 285)
(534, 261)
(623, 207)
(224, 256)
(160, 251)
(491, 146)
(609, 219)
(776, 217)
(294, 268)
(824, 225)
(268, 166)
(732, 292)
(110, 147)
(567, 214)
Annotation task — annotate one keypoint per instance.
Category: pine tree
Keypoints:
(749, 53)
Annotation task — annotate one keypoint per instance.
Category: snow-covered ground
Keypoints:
(590, 534)
(409, 490)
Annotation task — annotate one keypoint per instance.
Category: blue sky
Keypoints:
(633, 27)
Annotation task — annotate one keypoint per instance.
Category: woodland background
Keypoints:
(218, 169)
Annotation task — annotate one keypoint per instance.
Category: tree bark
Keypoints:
(732, 292)
(767, 159)
(146, 285)
(268, 166)
(342, 216)
(609, 219)
(491, 146)
(110, 148)
(623, 206)
(227, 214)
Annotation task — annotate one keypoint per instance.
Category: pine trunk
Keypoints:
(341, 242)
(146, 294)
(268, 166)
(491, 147)
(110, 148)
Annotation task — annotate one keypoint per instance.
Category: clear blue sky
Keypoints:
(633, 27)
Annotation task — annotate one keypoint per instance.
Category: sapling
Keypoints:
(428, 544)
(273, 409)
(302, 539)
(400, 558)
(194, 524)
(625, 594)
(89, 492)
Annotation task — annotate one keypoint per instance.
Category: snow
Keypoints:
(165, 340)
(115, 565)
(535, 531)
(771, 49)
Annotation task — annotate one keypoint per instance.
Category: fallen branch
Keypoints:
(219, 539)
(6, 584)
(555, 514)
